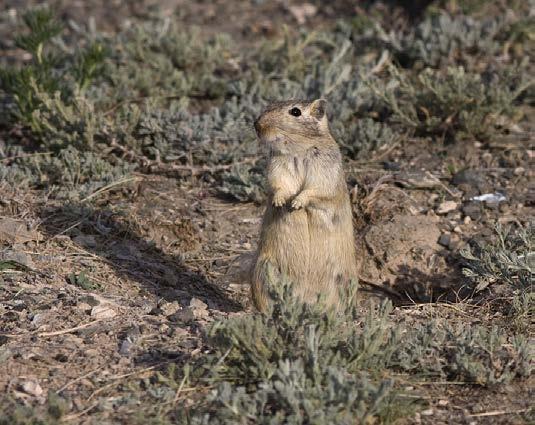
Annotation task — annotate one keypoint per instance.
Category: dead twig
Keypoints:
(110, 186)
(74, 381)
(28, 155)
(70, 330)
(74, 416)
(497, 413)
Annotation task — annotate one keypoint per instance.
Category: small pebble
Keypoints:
(196, 303)
(103, 311)
(444, 239)
(446, 207)
(32, 388)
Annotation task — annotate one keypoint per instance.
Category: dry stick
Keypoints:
(497, 412)
(69, 228)
(110, 186)
(74, 381)
(77, 415)
(179, 390)
(453, 195)
(10, 158)
(63, 331)
(70, 330)
(452, 306)
(125, 375)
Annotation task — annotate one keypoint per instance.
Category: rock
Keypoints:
(163, 329)
(518, 171)
(16, 231)
(451, 241)
(302, 12)
(83, 306)
(169, 308)
(39, 319)
(196, 310)
(103, 311)
(32, 388)
(126, 347)
(18, 257)
(472, 210)
(197, 304)
(447, 206)
(405, 241)
(185, 315)
(147, 306)
(444, 239)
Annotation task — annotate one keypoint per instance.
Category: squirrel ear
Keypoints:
(318, 107)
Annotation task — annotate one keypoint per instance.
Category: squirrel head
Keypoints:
(296, 123)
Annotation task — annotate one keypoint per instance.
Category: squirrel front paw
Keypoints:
(279, 199)
(299, 202)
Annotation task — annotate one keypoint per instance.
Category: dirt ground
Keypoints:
(118, 288)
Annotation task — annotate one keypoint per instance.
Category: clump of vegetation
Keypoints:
(15, 413)
(457, 102)
(50, 70)
(162, 62)
(509, 259)
(364, 136)
(244, 183)
(442, 40)
(302, 363)
(134, 98)
(81, 280)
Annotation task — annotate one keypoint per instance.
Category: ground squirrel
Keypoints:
(307, 229)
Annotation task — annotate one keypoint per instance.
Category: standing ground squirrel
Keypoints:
(307, 229)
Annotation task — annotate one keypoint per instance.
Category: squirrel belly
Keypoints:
(307, 228)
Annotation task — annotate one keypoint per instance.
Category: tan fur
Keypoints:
(307, 229)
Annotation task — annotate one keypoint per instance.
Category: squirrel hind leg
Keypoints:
(261, 279)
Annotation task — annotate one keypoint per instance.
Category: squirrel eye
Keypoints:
(295, 112)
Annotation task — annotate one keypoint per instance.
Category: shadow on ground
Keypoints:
(108, 236)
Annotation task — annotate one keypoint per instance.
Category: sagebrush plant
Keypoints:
(508, 258)
(140, 96)
(161, 61)
(303, 363)
(456, 103)
(442, 40)
(50, 70)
